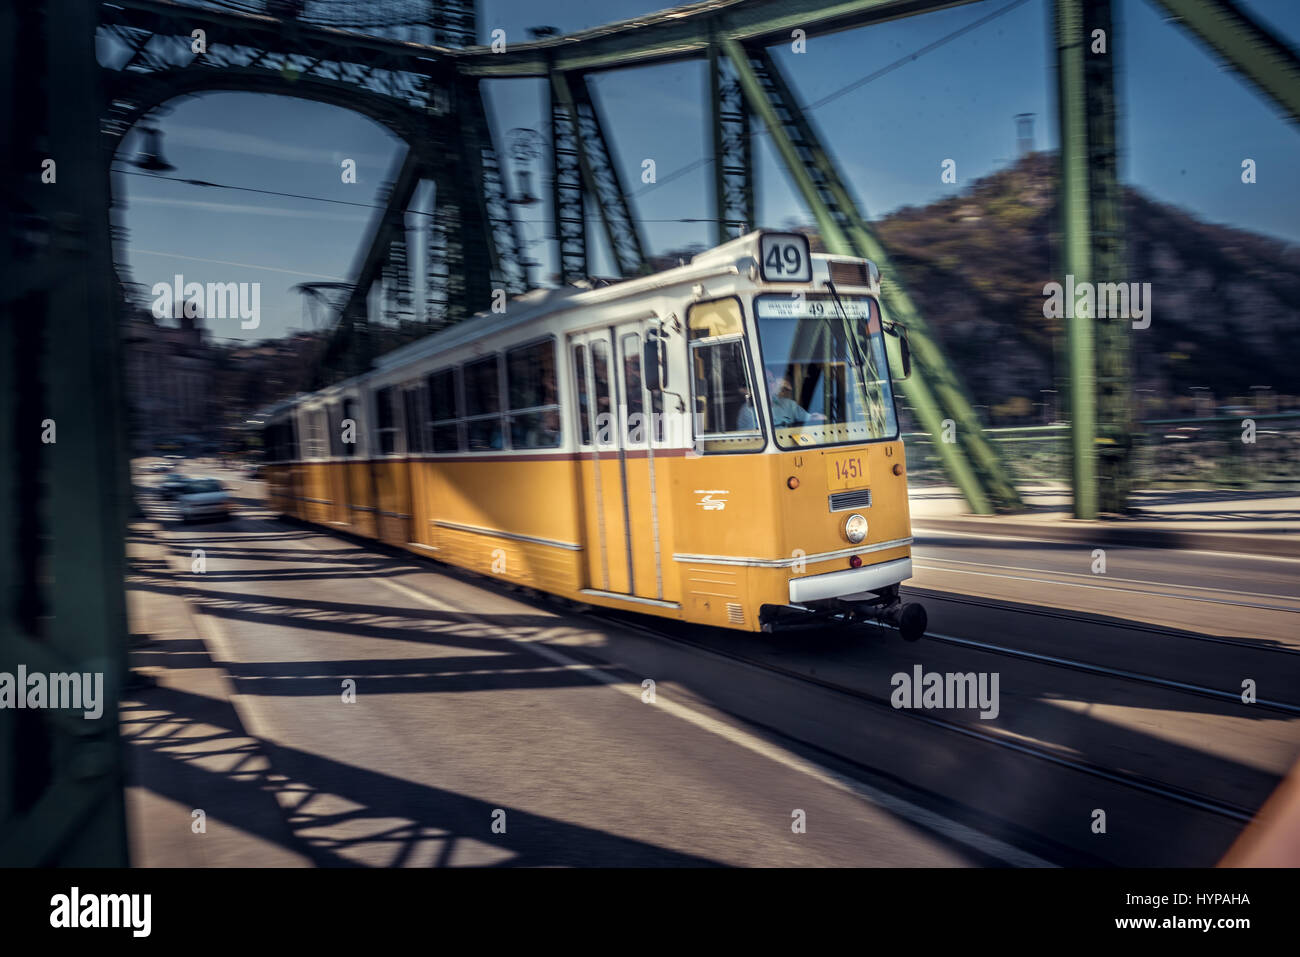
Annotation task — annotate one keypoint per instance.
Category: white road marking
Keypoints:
(1111, 588)
(920, 527)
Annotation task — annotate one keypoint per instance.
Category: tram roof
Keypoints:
(542, 303)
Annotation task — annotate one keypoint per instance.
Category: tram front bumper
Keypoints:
(850, 581)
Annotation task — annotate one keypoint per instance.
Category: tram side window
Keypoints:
(444, 412)
(726, 414)
(316, 447)
(580, 371)
(413, 407)
(386, 420)
(483, 430)
(335, 429)
(639, 426)
(605, 420)
(534, 403)
(349, 415)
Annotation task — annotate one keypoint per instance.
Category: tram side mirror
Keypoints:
(900, 357)
(656, 375)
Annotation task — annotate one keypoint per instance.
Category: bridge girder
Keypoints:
(412, 89)
(685, 33)
(1235, 39)
(585, 166)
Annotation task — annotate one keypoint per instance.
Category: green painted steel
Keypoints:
(601, 179)
(568, 194)
(672, 34)
(934, 390)
(1244, 45)
(734, 207)
(64, 802)
(1076, 249)
(1116, 420)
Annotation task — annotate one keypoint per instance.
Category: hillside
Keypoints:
(1226, 303)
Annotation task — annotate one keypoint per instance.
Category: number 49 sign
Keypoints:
(785, 257)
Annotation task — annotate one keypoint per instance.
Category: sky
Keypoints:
(1185, 127)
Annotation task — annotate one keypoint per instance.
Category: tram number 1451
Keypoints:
(846, 471)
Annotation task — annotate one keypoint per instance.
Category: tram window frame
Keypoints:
(316, 440)
(334, 428)
(654, 433)
(473, 401)
(582, 406)
(349, 411)
(413, 408)
(519, 414)
(441, 427)
(611, 409)
(386, 426)
(753, 441)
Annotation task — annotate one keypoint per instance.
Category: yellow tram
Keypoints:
(715, 443)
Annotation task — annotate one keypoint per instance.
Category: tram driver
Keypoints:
(786, 411)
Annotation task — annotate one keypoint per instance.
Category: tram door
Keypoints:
(616, 461)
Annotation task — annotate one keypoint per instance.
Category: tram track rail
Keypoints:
(1164, 631)
(1001, 740)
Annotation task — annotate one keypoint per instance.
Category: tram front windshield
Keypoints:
(827, 377)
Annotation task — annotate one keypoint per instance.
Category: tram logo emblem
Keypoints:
(708, 502)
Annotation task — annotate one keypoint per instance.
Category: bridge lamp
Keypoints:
(525, 145)
(151, 158)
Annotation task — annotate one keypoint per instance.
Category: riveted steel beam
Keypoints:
(1245, 46)
(734, 209)
(599, 170)
(684, 34)
(935, 390)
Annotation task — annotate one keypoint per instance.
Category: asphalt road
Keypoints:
(475, 706)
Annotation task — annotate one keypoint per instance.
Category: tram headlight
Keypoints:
(855, 528)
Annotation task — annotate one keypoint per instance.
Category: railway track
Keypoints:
(997, 739)
(929, 594)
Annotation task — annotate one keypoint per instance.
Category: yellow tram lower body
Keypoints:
(710, 539)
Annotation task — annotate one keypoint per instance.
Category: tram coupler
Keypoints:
(909, 617)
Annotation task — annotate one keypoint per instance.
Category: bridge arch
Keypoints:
(141, 95)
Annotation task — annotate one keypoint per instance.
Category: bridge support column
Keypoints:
(64, 432)
(1102, 421)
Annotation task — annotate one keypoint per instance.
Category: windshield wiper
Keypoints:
(859, 360)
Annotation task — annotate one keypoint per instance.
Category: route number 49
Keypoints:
(785, 257)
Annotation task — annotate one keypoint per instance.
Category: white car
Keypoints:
(203, 498)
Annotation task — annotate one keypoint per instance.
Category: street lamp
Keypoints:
(151, 158)
(525, 146)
